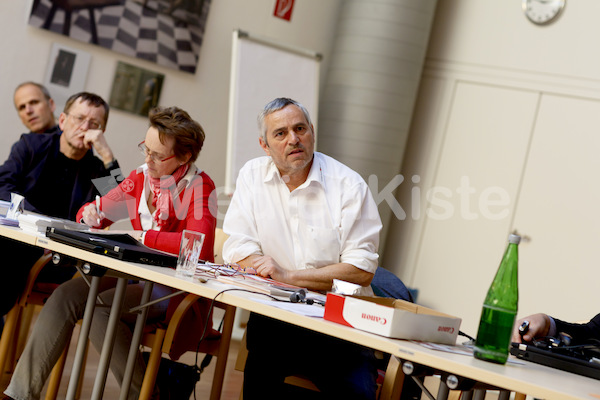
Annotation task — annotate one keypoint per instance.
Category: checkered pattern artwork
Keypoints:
(167, 32)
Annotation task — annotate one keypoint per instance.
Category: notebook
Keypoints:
(115, 245)
(584, 361)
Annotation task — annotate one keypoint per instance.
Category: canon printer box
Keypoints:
(392, 318)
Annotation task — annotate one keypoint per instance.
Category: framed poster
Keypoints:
(66, 73)
(166, 32)
(135, 90)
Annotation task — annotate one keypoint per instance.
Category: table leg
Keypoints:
(443, 391)
(479, 394)
(504, 395)
(467, 395)
(83, 337)
(109, 339)
(140, 322)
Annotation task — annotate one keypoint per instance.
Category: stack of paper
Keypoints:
(37, 223)
(4, 206)
(8, 221)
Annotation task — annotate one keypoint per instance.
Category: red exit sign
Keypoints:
(283, 9)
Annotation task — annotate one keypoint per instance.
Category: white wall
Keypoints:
(204, 95)
(488, 76)
(496, 34)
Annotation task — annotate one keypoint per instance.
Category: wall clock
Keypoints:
(542, 12)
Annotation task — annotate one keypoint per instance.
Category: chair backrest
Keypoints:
(190, 315)
(386, 284)
(220, 238)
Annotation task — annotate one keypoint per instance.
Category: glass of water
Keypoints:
(189, 253)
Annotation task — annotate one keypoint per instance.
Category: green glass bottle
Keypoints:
(500, 308)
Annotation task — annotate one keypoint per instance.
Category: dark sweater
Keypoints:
(51, 183)
(581, 333)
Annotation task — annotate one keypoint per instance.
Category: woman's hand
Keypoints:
(91, 217)
(137, 235)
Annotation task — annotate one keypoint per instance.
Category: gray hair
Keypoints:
(276, 105)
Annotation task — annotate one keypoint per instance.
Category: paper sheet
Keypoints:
(316, 311)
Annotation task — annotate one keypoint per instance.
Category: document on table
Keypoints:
(465, 350)
(313, 310)
(4, 207)
(37, 223)
(456, 349)
(9, 221)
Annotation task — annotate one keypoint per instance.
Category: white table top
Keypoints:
(524, 377)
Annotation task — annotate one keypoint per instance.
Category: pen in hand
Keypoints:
(523, 329)
(98, 208)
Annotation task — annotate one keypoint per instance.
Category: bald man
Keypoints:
(35, 107)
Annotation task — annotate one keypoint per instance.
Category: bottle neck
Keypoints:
(504, 292)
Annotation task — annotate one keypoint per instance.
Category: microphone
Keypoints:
(299, 296)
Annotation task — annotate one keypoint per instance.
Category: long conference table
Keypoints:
(532, 379)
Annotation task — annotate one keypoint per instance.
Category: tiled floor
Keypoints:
(168, 39)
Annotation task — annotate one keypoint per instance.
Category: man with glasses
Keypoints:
(56, 173)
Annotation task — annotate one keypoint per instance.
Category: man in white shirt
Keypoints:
(302, 218)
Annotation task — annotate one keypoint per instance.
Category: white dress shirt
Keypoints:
(330, 218)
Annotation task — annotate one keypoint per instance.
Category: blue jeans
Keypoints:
(54, 328)
(339, 369)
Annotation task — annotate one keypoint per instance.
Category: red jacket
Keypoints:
(195, 209)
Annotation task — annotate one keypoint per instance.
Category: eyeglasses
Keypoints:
(153, 157)
(80, 120)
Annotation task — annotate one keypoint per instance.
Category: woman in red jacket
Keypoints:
(161, 198)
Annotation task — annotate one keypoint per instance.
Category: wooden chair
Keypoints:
(167, 338)
(18, 318)
(18, 322)
(163, 339)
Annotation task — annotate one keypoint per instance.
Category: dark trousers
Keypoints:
(276, 350)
